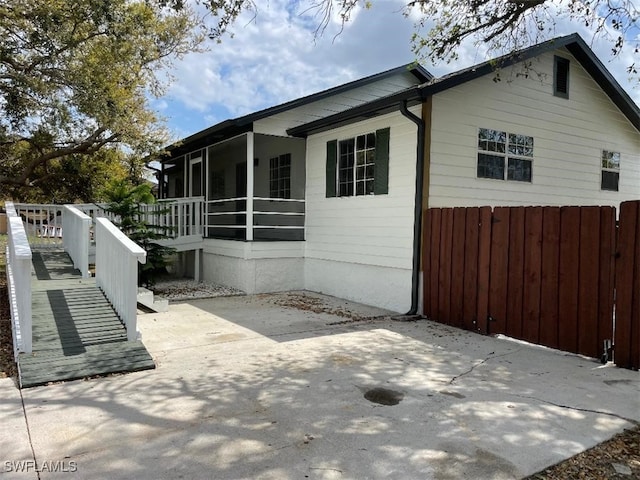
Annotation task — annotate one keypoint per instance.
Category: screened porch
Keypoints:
(249, 187)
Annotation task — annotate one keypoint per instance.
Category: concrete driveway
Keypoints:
(273, 387)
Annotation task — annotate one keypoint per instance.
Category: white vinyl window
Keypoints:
(356, 165)
(280, 176)
(610, 171)
(504, 156)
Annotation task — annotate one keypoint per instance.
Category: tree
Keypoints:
(77, 178)
(130, 205)
(503, 25)
(76, 77)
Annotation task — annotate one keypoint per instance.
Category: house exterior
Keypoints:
(338, 180)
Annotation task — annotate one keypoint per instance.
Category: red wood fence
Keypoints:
(546, 275)
(627, 335)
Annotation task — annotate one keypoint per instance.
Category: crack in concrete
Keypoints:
(329, 469)
(26, 421)
(579, 409)
(482, 362)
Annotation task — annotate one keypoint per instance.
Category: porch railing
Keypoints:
(179, 217)
(117, 259)
(76, 226)
(271, 218)
(19, 281)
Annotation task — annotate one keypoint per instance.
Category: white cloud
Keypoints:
(273, 57)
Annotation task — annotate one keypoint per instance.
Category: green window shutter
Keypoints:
(381, 180)
(332, 160)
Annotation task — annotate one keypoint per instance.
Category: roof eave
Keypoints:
(371, 109)
(575, 45)
(606, 81)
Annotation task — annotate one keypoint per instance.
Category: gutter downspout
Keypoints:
(417, 212)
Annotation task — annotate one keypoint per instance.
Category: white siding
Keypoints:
(279, 123)
(363, 235)
(569, 136)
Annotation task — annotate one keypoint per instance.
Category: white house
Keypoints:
(337, 181)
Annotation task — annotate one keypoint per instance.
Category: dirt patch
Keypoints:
(615, 459)
(311, 303)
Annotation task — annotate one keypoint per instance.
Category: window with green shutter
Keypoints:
(358, 166)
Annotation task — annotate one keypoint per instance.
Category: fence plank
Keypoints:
(499, 266)
(457, 266)
(625, 267)
(469, 308)
(627, 284)
(436, 226)
(568, 278)
(444, 293)
(607, 272)
(634, 333)
(426, 262)
(515, 284)
(484, 268)
(588, 281)
(532, 274)
(549, 277)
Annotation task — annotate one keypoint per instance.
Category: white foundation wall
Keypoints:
(361, 247)
(569, 137)
(254, 267)
(382, 287)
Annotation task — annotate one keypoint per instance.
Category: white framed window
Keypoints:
(280, 176)
(356, 165)
(504, 156)
(610, 177)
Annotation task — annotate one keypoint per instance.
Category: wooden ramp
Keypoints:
(76, 332)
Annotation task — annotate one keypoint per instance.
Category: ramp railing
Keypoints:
(77, 232)
(19, 281)
(117, 259)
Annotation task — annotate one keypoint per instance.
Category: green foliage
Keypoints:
(77, 178)
(130, 204)
(76, 77)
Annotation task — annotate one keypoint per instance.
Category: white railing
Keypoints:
(117, 260)
(42, 223)
(176, 218)
(274, 216)
(19, 281)
(76, 226)
(94, 210)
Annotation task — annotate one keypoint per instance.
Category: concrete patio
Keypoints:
(273, 387)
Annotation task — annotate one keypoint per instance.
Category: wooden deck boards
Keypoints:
(76, 332)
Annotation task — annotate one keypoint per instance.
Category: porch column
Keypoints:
(249, 208)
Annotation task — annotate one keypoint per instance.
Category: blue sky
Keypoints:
(273, 57)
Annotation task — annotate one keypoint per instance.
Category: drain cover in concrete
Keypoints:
(384, 396)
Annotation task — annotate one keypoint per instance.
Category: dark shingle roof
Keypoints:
(573, 43)
(236, 126)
